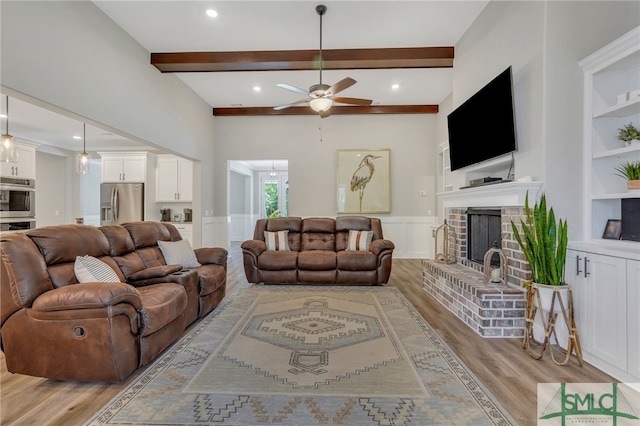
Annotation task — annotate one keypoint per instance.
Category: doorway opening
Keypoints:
(257, 189)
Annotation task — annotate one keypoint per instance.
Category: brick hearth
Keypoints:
(493, 310)
(490, 310)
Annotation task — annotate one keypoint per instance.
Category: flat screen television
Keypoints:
(483, 127)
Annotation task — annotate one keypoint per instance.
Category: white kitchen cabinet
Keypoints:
(606, 300)
(124, 167)
(26, 165)
(174, 179)
(186, 231)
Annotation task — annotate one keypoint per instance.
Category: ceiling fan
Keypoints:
(322, 96)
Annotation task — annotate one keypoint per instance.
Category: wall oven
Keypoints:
(17, 198)
(17, 224)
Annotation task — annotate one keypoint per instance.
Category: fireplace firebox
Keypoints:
(484, 232)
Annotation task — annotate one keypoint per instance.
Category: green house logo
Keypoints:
(602, 406)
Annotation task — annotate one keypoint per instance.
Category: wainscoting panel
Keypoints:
(215, 231)
(241, 227)
(412, 235)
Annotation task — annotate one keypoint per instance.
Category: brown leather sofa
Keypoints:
(318, 252)
(53, 326)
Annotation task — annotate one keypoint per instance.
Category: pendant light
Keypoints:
(273, 173)
(83, 160)
(8, 147)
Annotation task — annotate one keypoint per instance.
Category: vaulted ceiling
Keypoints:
(263, 43)
(234, 60)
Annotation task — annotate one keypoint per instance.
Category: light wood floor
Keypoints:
(502, 365)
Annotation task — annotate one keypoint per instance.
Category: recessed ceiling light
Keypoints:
(395, 86)
(257, 88)
(77, 137)
(212, 13)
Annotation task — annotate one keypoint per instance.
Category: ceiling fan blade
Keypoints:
(353, 101)
(345, 83)
(278, 108)
(292, 88)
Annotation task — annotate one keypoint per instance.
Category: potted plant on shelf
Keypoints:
(544, 244)
(631, 172)
(629, 134)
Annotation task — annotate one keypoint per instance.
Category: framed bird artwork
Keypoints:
(364, 181)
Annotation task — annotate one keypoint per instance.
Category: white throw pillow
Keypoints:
(179, 253)
(89, 269)
(359, 240)
(277, 241)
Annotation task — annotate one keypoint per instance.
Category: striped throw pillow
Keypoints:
(89, 269)
(359, 240)
(277, 241)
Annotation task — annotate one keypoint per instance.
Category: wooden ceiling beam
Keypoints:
(303, 60)
(335, 110)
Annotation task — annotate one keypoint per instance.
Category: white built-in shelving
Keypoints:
(608, 73)
(605, 273)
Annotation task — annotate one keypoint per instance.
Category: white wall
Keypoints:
(53, 193)
(312, 162)
(543, 41)
(571, 38)
(72, 56)
(506, 34)
(310, 145)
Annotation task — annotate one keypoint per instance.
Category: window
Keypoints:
(274, 195)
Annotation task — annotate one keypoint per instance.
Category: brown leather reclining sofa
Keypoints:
(53, 326)
(318, 252)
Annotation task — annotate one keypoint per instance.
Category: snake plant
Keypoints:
(543, 242)
(629, 170)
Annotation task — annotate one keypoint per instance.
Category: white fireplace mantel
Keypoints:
(508, 194)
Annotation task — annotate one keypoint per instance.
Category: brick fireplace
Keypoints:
(492, 310)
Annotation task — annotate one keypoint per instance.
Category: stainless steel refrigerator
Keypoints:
(121, 202)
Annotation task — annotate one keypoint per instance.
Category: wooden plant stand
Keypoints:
(534, 303)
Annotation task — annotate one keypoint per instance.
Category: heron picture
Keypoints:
(363, 181)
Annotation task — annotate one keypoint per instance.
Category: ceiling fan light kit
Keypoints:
(321, 96)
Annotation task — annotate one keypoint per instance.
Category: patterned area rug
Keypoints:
(299, 355)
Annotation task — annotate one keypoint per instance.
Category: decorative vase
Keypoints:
(541, 320)
(633, 184)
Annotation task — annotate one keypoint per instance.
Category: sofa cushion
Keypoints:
(119, 239)
(151, 257)
(62, 243)
(89, 269)
(178, 253)
(319, 224)
(318, 241)
(359, 240)
(317, 260)
(356, 260)
(277, 240)
(278, 260)
(291, 224)
(161, 304)
(147, 234)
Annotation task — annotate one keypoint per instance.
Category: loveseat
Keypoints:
(120, 317)
(345, 250)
